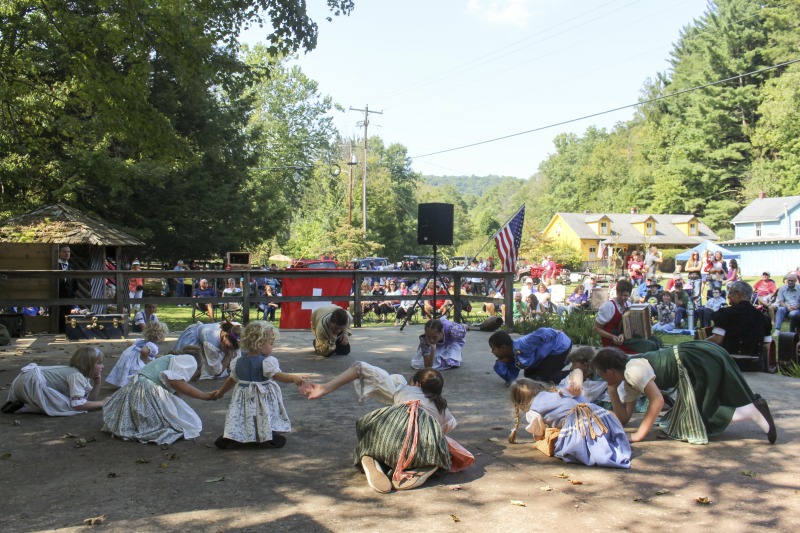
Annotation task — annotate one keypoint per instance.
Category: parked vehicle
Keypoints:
(536, 271)
(365, 264)
(315, 264)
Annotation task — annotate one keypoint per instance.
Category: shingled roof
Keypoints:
(766, 209)
(623, 231)
(60, 224)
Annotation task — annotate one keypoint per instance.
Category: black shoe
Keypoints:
(763, 408)
(12, 406)
(278, 441)
(226, 444)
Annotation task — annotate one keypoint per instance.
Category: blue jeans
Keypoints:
(782, 313)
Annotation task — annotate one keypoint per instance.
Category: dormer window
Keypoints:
(648, 228)
(692, 228)
(603, 228)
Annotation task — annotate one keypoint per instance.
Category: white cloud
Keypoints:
(505, 12)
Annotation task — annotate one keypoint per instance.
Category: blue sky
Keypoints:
(447, 73)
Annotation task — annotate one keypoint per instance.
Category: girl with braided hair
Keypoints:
(588, 434)
(409, 435)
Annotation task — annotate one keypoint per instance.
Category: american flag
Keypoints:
(508, 240)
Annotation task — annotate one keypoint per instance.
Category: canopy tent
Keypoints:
(711, 247)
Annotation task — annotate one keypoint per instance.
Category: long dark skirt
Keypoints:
(381, 435)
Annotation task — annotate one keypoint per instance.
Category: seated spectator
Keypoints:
(675, 277)
(407, 307)
(389, 306)
(666, 310)
(576, 301)
(527, 288)
(231, 290)
(788, 304)
(740, 328)
(205, 291)
(520, 309)
(681, 300)
(713, 305)
(492, 308)
(443, 304)
(142, 318)
(269, 308)
(543, 297)
(589, 285)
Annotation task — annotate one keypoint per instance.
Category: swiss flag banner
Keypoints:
(297, 315)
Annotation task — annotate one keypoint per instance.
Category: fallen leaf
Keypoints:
(454, 487)
(659, 492)
(562, 475)
(5, 456)
(215, 479)
(494, 439)
(80, 443)
(141, 461)
(96, 521)
(703, 500)
(546, 488)
(639, 499)
(455, 518)
(171, 456)
(576, 482)
(112, 474)
(68, 436)
(17, 423)
(749, 473)
(163, 465)
(518, 503)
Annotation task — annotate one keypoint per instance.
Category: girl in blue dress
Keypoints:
(589, 434)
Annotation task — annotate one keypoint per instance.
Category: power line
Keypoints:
(600, 113)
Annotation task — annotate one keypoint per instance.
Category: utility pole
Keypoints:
(366, 112)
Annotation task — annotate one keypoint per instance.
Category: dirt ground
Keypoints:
(50, 482)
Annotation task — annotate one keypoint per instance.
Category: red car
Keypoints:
(536, 271)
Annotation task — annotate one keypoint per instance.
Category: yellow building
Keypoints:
(594, 233)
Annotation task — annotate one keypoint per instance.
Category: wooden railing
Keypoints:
(123, 301)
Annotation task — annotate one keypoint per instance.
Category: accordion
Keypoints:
(636, 322)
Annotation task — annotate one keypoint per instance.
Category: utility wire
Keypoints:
(584, 117)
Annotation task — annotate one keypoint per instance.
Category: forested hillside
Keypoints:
(198, 149)
(465, 185)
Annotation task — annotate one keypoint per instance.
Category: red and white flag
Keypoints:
(297, 315)
(508, 240)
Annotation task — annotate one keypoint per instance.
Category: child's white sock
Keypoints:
(750, 412)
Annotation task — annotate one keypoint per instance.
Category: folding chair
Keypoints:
(199, 309)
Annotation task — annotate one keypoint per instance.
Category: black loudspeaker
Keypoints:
(435, 224)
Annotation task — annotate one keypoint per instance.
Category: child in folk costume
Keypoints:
(59, 390)
(593, 388)
(440, 346)
(139, 354)
(409, 435)
(256, 412)
(588, 434)
(712, 392)
(218, 342)
(149, 409)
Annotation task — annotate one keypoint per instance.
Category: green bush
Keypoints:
(579, 326)
(668, 262)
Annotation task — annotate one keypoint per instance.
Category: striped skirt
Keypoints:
(382, 433)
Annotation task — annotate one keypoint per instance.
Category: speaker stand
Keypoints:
(435, 311)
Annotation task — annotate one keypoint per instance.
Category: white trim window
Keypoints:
(758, 229)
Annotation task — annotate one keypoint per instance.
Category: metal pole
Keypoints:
(364, 176)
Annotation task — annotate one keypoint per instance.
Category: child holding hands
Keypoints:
(138, 354)
(409, 435)
(256, 412)
(148, 409)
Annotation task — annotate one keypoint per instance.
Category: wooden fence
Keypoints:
(19, 278)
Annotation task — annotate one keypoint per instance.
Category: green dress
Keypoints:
(714, 380)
